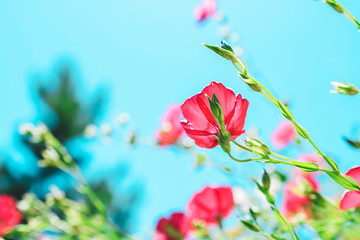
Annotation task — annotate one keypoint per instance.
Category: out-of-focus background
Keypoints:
(73, 63)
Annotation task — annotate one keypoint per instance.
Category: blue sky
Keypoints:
(149, 55)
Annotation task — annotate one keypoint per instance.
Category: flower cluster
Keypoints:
(209, 206)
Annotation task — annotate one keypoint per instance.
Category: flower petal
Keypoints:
(351, 199)
(354, 173)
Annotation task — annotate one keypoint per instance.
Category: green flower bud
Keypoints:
(258, 146)
(285, 111)
(225, 53)
(266, 181)
(344, 88)
(250, 225)
(300, 130)
(331, 163)
(334, 5)
(226, 46)
(306, 166)
(250, 82)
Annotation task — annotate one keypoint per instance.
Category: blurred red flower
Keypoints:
(200, 124)
(211, 204)
(171, 129)
(205, 10)
(351, 199)
(10, 216)
(295, 198)
(174, 227)
(283, 135)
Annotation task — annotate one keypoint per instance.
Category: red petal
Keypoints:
(194, 115)
(351, 199)
(237, 122)
(226, 96)
(354, 173)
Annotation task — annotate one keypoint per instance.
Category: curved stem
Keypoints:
(244, 160)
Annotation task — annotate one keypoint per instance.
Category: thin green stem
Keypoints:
(244, 160)
(272, 101)
(267, 236)
(240, 146)
(290, 228)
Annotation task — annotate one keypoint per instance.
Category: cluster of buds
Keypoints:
(36, 133)
(344, 88)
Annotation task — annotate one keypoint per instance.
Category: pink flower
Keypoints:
(351, 199)
(200, 124)
(174, 227)
(283, 135)
(295, 199)
(171, 129)
(205, 10)
(211, 204)
(10, 216)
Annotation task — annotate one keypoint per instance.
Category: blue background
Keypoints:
(149, 55)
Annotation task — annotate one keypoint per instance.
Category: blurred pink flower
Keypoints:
(205, 10)
(295, 200)
(10, 216)
(200, 124)
(211, 204)
(351, 199)
(171, 129)
(283, 135)
(172, 228)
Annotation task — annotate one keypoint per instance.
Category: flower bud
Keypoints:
(334, 5)
(250, 82)
(266, 181)
(258, 146)
(300, 130)
(306, 166)
(250, 225)
(344, 88)
(225, 53)
(285, 111)
(226, 46)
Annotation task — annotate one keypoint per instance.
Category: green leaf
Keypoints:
(250, 225)
(344, 181)
(353, 143)
(229, 55)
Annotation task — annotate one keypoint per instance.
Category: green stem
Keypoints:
(240, 146)
(266, 235)
(290, 228)
(244, 160)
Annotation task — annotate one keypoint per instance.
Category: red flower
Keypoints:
(171, 129)
(205, 10)
(200, 124)
(211, 204)
(10, 216)
(173, 228)
(283, 135)
(295, 198)
(351, 199)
